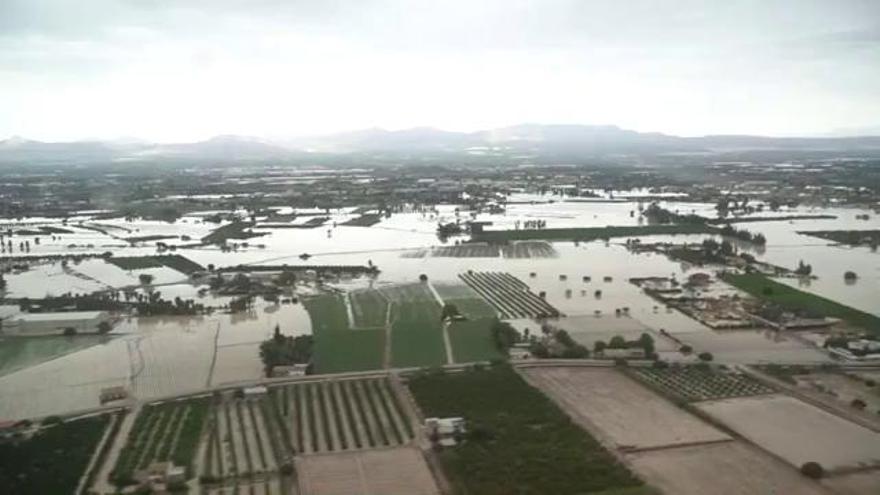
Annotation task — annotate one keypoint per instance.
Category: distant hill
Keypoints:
(526, 140)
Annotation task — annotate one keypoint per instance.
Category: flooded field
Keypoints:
(586, 281)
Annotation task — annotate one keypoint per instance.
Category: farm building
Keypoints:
(77, 322)
(255, 392)
(290, 370)
(445, 430)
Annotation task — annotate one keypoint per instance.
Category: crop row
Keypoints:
(509, 295)
(695, 383)
(168, 431)
(244, 440)
(342, 415)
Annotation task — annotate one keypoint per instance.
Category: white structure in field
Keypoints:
(75, 322)
(255, 392)
(445, 430)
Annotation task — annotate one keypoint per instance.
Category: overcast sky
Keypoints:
(178, 70)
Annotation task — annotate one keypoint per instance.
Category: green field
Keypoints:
(174, 261)
(468, 302)
(589, 233)
(794, 299)
(518, 442)
(472, 341)
(369, 308)
(53, 460)
(338, 348)
(416, 329)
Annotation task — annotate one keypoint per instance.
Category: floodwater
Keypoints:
(161, 356)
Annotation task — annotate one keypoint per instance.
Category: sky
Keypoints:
(185, 70)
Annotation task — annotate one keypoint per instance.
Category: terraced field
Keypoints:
(341, 415)
(694, 383)
(509, 295)
(168, 431)
(244, 439)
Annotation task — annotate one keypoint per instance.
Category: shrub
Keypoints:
(705, 356)
(812, 470)
(686, 349)
(858, 404)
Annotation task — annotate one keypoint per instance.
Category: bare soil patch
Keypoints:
(395, 471)
(730, 468)
(625, 412)
(798, 432)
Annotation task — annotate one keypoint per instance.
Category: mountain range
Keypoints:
(518, 143)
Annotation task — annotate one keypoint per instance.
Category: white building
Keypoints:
(77, 322)
(445, 430)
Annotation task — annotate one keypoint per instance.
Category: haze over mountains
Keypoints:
(522, 141)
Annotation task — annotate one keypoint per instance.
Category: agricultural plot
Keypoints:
(341, 415)
(338, 347)
(798, 432)
(529, 249)
(244, 440)
(368, 309)
(273, 485)
(509, 295)
(467, 251)
(416, 329)
(524, 443)
(696, 383)
(603, 399)
(469, 303)
(174, 261)
(398, 471)
(168, 431)
(472, 341)
(729, 468)
(53, 460)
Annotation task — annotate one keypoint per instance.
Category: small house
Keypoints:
(445, 431)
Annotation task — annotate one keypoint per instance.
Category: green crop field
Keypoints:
(472, 341)
(369, 308)
(519, 441)
(339, 348)
(417, 332)
(174, 261)
(589, 233)
(790, 298)
(468, 302)
(53, 460)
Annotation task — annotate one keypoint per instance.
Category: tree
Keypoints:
(850, 275)
(599, 346)
(812, 470)
(449, 311)
(858, 404)
(803, 269)
(705, 356)
(104, 327)
(423, 278)
(617, 342)
(69, 332)
(146, 278)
